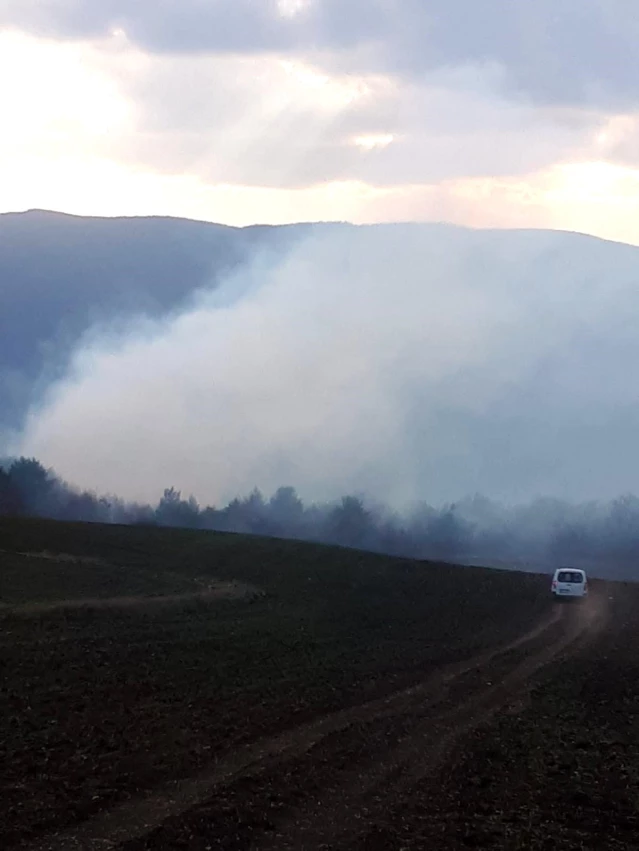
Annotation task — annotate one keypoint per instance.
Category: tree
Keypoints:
(255, 513)
(350, 524)
(9, 498)
(286, 511)
(172, 510)
(246, 515)
(448, 535)
(33, 485)
(621, 529)
(211, 518)
(80, 506)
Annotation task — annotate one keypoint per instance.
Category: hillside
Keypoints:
(62, 274)
(169, 689)
(404, 362)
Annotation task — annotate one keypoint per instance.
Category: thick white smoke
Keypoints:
(402, 361)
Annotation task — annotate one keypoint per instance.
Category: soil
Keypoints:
(527, 738)
(496, 752)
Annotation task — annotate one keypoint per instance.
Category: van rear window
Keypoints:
(570, 576)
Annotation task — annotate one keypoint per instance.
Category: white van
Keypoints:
(569, 582)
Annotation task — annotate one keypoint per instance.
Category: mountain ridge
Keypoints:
(495, 353)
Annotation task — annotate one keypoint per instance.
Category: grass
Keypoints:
(103, 703)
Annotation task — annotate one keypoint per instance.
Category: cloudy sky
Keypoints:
(493, 113)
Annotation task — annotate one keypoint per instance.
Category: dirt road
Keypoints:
(350, 779)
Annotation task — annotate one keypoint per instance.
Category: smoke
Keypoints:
(403, 362)
(601, 537)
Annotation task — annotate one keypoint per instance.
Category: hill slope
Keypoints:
(319, 698)
(61, 274)
(168, 685)
(430, 361)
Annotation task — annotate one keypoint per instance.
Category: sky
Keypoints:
(402, 363)
(503, 113)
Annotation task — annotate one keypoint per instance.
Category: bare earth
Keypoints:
(532, 744)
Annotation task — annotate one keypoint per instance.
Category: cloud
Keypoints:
(617, 140)
(552, 53)
(592, 197)
(101, 127)
(247, 120)
(60, 98)
(161, 25)
(404, 361)
(285, 123)
(265, 121)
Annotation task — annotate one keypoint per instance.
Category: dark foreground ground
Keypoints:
(167, 690)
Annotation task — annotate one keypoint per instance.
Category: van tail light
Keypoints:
(554, 584)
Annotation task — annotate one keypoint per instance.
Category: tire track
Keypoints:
(355, 805)
(217, 591)
(136, 818)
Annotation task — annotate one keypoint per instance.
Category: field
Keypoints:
(173, 689)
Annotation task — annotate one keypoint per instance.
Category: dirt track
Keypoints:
(216, 591)
(341, 781)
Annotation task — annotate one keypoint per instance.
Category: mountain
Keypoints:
(60, 274)
(406, 362)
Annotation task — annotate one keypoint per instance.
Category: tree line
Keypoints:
(604, 536)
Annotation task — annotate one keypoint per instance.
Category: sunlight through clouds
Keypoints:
(324, 91)
(57, 100)
(98, 121)
(372, 141)
(292, 8)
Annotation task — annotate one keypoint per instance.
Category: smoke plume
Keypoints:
(402, 362)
